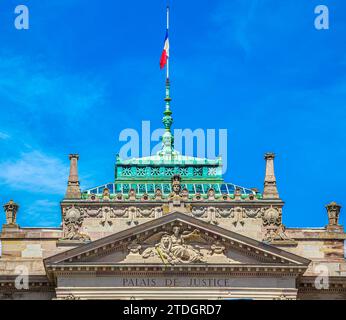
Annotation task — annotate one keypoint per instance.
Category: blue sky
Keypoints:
(85, 71)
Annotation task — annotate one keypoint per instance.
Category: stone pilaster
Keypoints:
(73, 186)
(270, 190)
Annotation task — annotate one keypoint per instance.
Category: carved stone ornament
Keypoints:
(211, 194)
(92, 197)
(276, 234)
(11, 209)
(132, 216)
(272, 216)
(212, 215)
(119, 197)
(146, 212)
(333, 210)
(198, 211)
(197, 197)
(132, 195)
(224, 212)
(238, 215)
(158, 194)
(106, 216)
(185, 194)
(252, 212)
(217, 248)
(225, 197)
(173, 248)
(134, 247)
(92, 212)
(73, 220)
(106, 194)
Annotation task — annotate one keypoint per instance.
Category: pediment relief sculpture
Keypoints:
(174, 247)
(177, 247)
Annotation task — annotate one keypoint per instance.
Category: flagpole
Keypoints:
(167, 119)
(167, 68)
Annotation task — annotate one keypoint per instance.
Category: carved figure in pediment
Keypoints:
(134, 247)
(173, 248)
(217, 248)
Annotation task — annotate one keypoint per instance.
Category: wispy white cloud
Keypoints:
(43, 211)
(38, 86)
(4, 136)
(35, 172)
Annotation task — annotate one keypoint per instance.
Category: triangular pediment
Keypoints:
(175, 240)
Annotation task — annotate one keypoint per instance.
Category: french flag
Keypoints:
(165, 52)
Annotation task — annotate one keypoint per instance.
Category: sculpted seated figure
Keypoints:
(173, 249)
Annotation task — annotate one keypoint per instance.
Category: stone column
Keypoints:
(73, 187)
(11, 209)
(270, 190)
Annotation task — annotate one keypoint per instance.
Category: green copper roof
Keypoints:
(147, 174)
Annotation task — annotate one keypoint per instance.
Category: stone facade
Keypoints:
(170, 227)
(125, 246)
